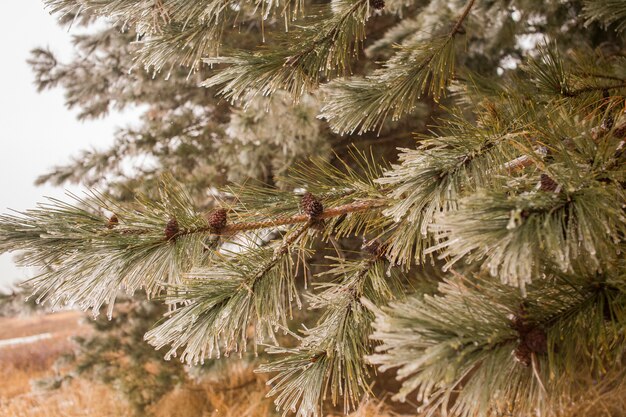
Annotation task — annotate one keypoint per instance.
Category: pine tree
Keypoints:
(490, 278)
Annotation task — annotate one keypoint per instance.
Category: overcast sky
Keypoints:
(37, 131)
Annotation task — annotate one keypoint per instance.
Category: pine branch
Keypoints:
(350, 179)
(515, 224)
(577, 79)
(300, 61)
(363, 104)
(125, 253)
(255, 287)
(351, 183)
(88, 261)
(95, 260)
(607, 12)
(468, 350)
(544, 222)
(172, 32)
(356, 207)
(174, 136)
(329, 360)
(163, 49)
(87, 79)
(431, 178)
(230, 229)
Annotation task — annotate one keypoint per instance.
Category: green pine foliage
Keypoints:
(329, 357)
(491, 281)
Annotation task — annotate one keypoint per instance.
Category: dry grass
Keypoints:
(80, 398)
(65, 323)
(23, 363)
(375, 408)
(242, 395)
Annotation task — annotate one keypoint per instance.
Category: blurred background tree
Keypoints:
(114, 353)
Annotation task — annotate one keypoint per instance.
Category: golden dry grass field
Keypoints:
(22, 363)
(241, 395)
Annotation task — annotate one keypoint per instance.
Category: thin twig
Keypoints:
(355, 207)
(280, 251)
(457, 26)
(589, 89)
(232, 228)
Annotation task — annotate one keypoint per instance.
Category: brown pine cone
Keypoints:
(536, 340)
(547, 183)
(532, 339)
(523, 354)
(311, 206)
(519, 323)
(171, 229)
(217, 220)
(113, 221)
(377, 4)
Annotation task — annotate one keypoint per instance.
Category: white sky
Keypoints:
(37, 131)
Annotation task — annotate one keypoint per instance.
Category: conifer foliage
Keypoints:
(491, 280)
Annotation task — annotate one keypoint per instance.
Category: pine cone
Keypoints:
(113, 221)
(171, 229)
(547, 183)
(377, 4)
(218, 219)
(523, 354)
(311, 206)
(532, 339)
(520, 324)
(536, 340)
